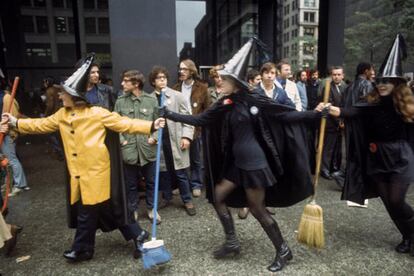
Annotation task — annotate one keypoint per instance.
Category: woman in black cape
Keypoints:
(256, 152)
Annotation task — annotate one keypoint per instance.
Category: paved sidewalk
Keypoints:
(358, 241)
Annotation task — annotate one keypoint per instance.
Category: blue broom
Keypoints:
(153, 251)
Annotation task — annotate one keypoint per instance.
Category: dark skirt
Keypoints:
(250, 179)
(391, 160)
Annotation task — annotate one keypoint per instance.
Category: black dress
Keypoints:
(250, 168)
(389, 156)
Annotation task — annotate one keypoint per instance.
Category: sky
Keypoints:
(188, 15)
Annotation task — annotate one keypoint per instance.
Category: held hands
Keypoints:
(328, 109)
(185, 143)
(159, 123)
(8, 118)
(152, 141)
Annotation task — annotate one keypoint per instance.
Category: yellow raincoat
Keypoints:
(83, 134)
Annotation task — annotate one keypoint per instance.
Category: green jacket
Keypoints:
(135, 148)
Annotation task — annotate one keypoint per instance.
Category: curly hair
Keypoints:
(403, 99)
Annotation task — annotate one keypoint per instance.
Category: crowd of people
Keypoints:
(248, 140)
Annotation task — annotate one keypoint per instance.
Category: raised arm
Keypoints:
(118, 123)
(39, 125)
(298, 116)
(205, 118)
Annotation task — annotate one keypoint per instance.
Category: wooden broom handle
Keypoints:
(10, 107)
(321, 139)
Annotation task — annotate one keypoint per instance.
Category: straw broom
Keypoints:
(311, 223)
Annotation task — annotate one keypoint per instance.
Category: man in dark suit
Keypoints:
(332, 151)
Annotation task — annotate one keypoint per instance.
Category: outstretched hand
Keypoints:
(159, 123)
(8, 118)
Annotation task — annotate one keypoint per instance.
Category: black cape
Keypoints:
(279, 132)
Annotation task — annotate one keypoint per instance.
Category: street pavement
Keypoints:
(358, 241)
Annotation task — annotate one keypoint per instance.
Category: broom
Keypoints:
(311, 223)
(154, 252)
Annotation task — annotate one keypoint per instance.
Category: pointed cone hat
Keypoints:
(236, 67)
(76, 84)
(392, 65)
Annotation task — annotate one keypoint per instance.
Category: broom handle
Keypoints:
(10, 107)
(157, 176)
(321, 141)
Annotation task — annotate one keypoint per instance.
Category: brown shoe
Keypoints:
(11, 244)
(243, 213)
(190, 209)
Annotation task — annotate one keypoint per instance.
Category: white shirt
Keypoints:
(186, 90)
(269, 93)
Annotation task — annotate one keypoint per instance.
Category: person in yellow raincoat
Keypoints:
(83, 131)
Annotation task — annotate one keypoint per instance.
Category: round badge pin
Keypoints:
(254, 110)
(168, 101)
(195, 104)
(144, 110)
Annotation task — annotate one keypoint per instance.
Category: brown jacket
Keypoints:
(200, 99)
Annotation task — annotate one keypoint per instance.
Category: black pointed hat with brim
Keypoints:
(236, 68)
(392, 64)
(76, 85)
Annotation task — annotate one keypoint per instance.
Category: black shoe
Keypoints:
(10, 244)
(138, 242)
(190, 209)
(282, 257)
(325, 174)
(339, 178)
(78, 256)
(404, 246)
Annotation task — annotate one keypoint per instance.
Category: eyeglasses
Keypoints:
(126, 80)
(183, 69)
(161, 78)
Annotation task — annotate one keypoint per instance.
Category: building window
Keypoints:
(70, 25)
(309, 17)
(27, 3)
(90, 25)
(310, 3)
(309, 31)
(39, 3)
(293, 20)
(103, 25)
(308, 49)
(103, 4)
(42, 26)
(59, 3)
(60, 24)
(89, 4)
(28, 24)
(38, 50)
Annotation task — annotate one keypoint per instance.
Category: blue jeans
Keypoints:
(9, 149)
(182, 181)
(133, 174)
(195, 164)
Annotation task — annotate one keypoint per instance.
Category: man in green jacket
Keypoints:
(138, 151)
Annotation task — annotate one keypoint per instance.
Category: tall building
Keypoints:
(300, 32)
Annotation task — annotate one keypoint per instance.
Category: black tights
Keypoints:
(255, 200)
(393, 196)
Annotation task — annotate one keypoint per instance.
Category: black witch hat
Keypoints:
(76, 84)
(392, 64)
(237, 66)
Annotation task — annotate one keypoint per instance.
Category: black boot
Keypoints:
(283, 252)
(404, 245)
(410, 226)
(138, 242)
(232, 244)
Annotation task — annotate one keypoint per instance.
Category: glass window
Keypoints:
(309, 17)
(39, 3)
(66, 53)
(90, 25)
(42, 25)
(58, 3)
(39, 53)
(70, 25)
(309, 31)
(308, 49)
(310, 3)
(103, 25)
(89, 4)
(28, 24)
(27, 3)
(60, 24)
(103, 4)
